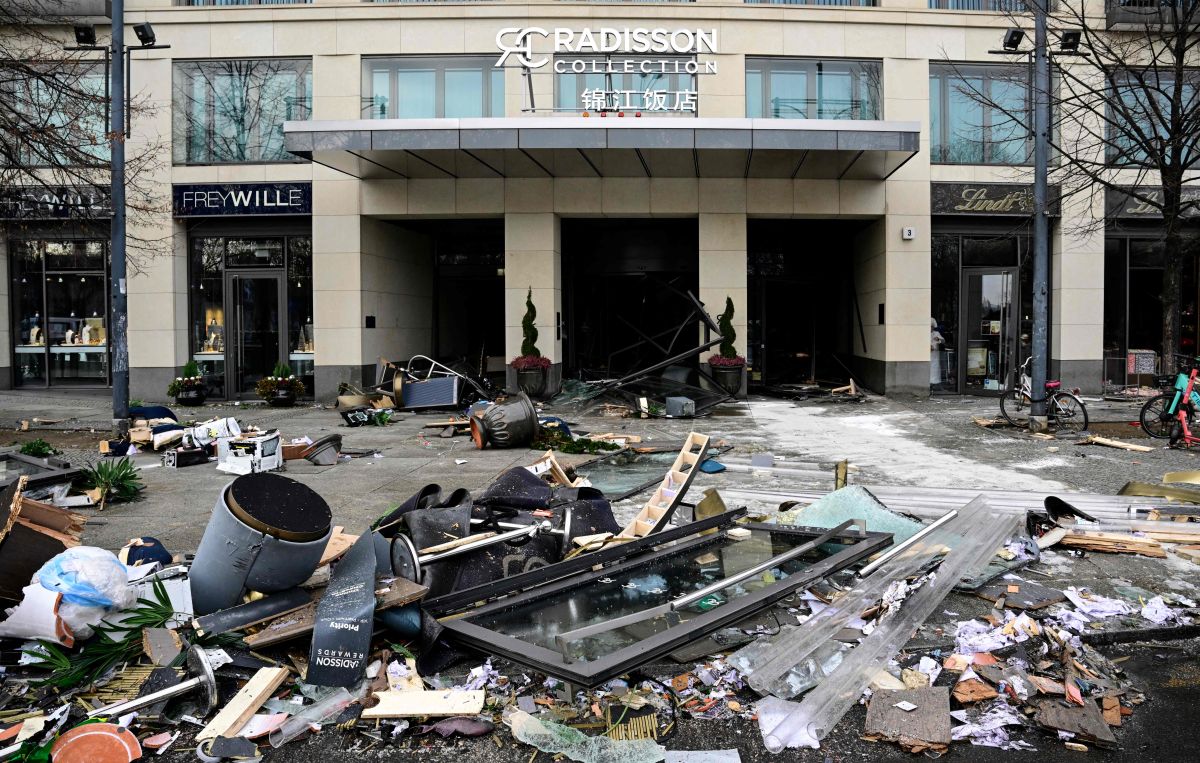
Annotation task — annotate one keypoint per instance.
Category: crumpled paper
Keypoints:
(988, 727)
(1093, 605)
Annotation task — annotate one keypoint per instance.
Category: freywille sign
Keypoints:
(215, 200)
(1125, 204)
(43, 203)
(1005, 199)
(588, 52)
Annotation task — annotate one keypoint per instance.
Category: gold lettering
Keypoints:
(977, 200)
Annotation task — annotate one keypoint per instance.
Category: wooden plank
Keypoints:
(1095, 440)
(1114, 543)
(48, 515)
(229, 721)
(1029, 595)
(415, 704)
(388, 594)
(1085, 721)
(339, 543)
(925, 727)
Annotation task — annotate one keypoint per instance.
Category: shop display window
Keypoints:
(60, 312)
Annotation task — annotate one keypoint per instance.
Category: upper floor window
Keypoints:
(233, 111)
(1142, 110)
(805, 88)
(1003, 6)
(659, 84)
(56, 116)
(977, 114)
(432, 87)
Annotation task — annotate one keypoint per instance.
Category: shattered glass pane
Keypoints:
(552, 737)
(648, 585)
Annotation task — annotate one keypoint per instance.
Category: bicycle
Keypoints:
(1181, 432)
(1065, 412)
(1159, 414)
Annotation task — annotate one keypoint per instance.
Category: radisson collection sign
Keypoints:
(590, 52)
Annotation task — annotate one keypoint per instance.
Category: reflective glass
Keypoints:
(648, 585)
(416, 94)
(432, 87)
(464, 93)
(802, 88)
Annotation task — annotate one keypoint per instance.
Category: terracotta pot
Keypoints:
(283, 398)
(532, 381)
(191, 397)
(729, 377)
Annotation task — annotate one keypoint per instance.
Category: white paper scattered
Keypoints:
(460, 461)
(931, 668)
(906, 706)
(1157, 611)
(1094, 605)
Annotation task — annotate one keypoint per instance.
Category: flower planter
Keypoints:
(283, 398)
(729, 377)
(191, 397)
(505, 425)
(532, 381)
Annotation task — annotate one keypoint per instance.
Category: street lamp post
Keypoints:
(1068, 46)
(120, 305)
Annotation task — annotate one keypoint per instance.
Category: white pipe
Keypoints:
(901, 546)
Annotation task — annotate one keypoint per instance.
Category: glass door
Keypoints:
(988, 328)
(256, 342)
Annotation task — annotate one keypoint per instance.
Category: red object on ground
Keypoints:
(96, 743)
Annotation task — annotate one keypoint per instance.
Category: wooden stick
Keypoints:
(234, 715)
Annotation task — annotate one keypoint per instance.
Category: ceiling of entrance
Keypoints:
(606, 147)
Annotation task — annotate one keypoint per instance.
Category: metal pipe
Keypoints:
(515, 526)
(905, 544)
(198, 662)
(466, 548)
(119, 338)
(1041, 233)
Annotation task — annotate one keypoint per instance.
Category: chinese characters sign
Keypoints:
(599, 99)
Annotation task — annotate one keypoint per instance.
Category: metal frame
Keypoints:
(459, 600)
(623, 660)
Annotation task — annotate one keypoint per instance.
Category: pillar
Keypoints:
(1077, 295)
(533, 267)
(722, 255)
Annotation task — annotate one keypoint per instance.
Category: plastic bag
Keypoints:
(93, 583)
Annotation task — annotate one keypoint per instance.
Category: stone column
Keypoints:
(722, 255)
(1077, 295)
(533, 266)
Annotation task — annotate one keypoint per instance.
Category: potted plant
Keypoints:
(281, 388)
(726, 364)
(530, 365)
(188, 388)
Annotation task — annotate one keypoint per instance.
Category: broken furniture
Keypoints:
(203, 678)
(407, 563)
(267, 533)
(323, 452)
(507, 424)
(425, 384)
(31, 533)
(250, 453)
(522, 627)
(657, 511)
(39, 472)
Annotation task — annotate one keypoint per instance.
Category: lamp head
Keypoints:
(1068, 41)
(1012, 39)
(85, 34)
(145, 33)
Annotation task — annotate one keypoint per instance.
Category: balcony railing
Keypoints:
(214, 3)
(1140, 14)
(842, 3)
(995, 6)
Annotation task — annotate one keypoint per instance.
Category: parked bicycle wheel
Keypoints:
(1067, 412)
(1156, 421)
(1014, 406)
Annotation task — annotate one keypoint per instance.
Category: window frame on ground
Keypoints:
(248, 127)
(945, 90)
(765, 75)
(387, 72)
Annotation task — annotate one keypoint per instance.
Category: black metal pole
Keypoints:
(1041, 237)
(120, 312)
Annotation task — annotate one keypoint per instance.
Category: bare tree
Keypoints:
(53, 132)
(1126, 119)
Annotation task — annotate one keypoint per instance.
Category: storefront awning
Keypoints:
(606, 147)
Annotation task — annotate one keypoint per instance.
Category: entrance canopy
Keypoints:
(521, 147)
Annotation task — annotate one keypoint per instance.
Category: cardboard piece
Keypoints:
(917, 719)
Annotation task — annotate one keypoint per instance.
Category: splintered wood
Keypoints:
(1095, 440)
(925, 727)
(1113, 543)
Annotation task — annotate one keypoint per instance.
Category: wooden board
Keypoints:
(1094, 440)
(1085, 722)
(927, 727)
(414, 704)
(387, 595)
(1113, 543)
(1029, 595)
(339, 543)
(1191, 554)
(229, 721)
(657, 511)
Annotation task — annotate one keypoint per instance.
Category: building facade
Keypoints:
(345, 180)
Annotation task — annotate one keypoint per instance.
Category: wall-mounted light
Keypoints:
(85, 34)
(1068, 41)
(145, 33)
(1012, 39)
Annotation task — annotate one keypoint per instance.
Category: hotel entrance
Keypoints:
(625, 295)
